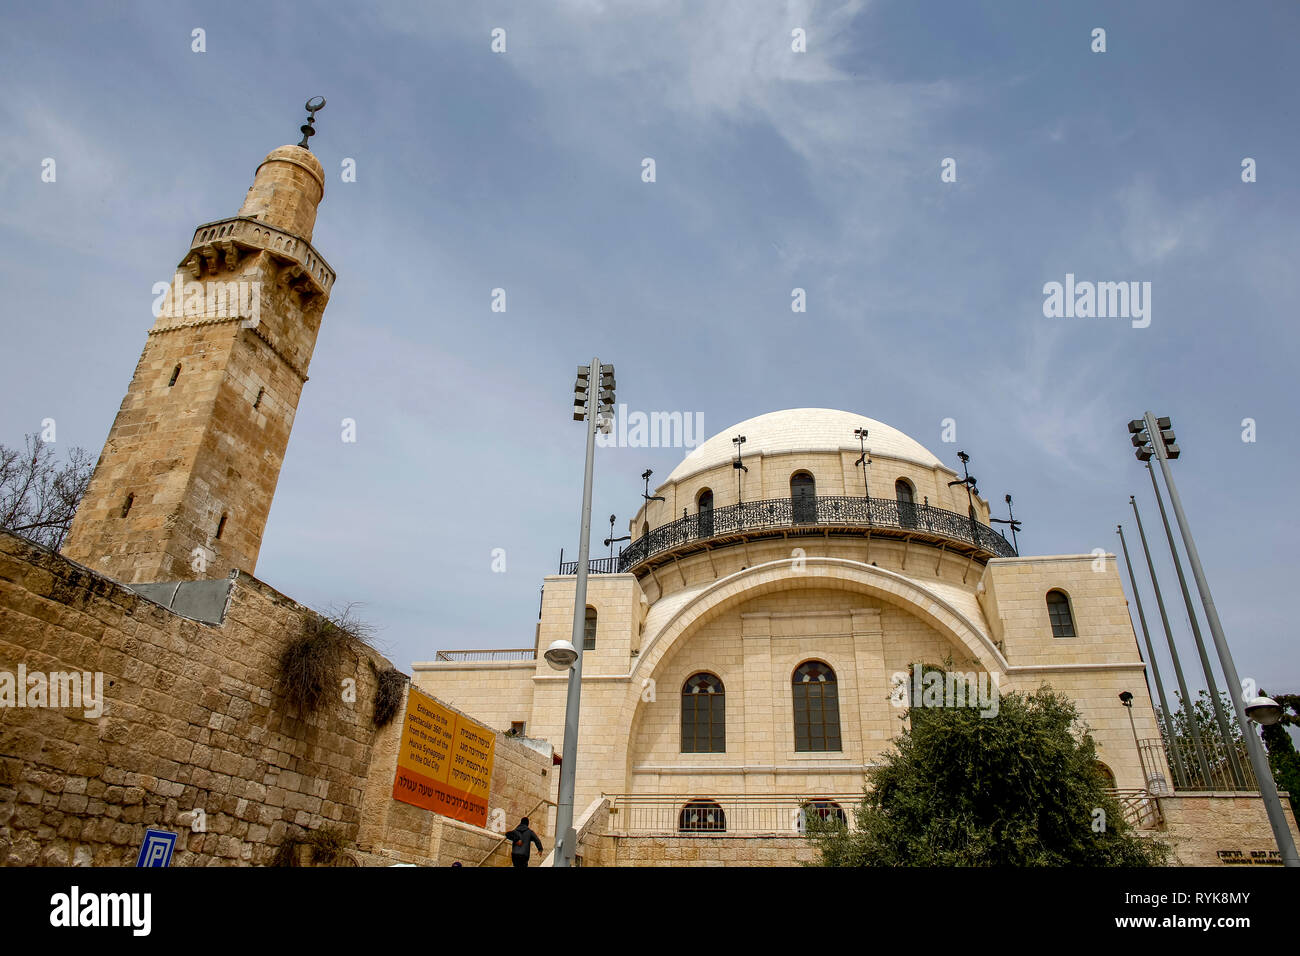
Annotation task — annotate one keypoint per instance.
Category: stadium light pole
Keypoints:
(1180, 774)
(1238, 776)
(1159, 435)
(593, 402)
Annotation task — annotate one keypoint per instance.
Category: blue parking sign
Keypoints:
(156, 850)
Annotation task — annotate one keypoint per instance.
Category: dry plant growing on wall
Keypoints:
(311, 664)
(327, 847)
(389, 692)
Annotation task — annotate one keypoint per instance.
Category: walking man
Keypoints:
(521, 839)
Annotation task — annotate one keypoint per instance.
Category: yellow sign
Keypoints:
(444, 761)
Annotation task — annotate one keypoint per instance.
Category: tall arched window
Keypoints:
(1058, 611)
(589, 630)
(803, 496)
(906, 496)
(704, 504)
(816, 707)
(704, 715)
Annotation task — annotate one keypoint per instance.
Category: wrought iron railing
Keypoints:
(594, 566)
(820, 511)
(498, 654)
(703, 815)
(1180, 756)
(1141, 808)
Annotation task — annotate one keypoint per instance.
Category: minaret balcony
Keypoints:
(819, 516)
(221, 242)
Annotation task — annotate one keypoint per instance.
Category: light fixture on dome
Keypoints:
(861, 435)
(646, 494)
(971, 492)
(1012, 521)
(611, 539)
(739, 465)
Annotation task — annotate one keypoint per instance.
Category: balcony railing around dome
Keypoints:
(897, 518)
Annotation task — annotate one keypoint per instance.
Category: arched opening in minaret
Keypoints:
(126, 505)
(176, 373)
(257, 402)
(221, 526)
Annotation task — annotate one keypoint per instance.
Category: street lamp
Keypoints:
(1154, 437)
(593, 401)
(1264, 711)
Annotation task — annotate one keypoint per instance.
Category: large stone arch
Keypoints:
(816, 572)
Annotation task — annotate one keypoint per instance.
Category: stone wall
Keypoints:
(1221, 829)
(194, 719)
(705, 851)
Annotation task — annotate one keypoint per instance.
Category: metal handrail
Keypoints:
(709, 814)
(502, 837)
(490, 654)
(1141, 808)
(1156, 752)
(811, 512)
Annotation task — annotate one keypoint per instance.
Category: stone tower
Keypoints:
(185, 481)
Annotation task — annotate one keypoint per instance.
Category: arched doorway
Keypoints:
(704, 505)
(803, 497)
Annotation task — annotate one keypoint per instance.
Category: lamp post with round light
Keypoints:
(593, 402)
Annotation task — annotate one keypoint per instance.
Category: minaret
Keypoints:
(185, 481)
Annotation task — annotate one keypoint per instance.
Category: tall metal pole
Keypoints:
(1258, 760)
(1237, 774)
(1180, 772)
(565, 836)
(1173, 652)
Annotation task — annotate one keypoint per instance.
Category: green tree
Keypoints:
(1216, 753)
(960, 789)
(1282, 756)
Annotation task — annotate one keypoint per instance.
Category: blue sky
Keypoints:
(775, 170)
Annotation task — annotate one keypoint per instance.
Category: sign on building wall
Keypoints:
(444, 761)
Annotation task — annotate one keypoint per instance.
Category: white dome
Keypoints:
(804, 430)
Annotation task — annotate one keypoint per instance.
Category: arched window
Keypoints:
(221, 526)
(176, 373)
(704, 505)
(1107, 775)
(126, 505)
(803, 497)
(589, 630)
(827, 810)
(1058, 611)
(702, 815)
(906, 496)
(816, 708)
(704, 715)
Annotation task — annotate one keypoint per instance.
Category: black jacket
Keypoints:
(521, 840)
